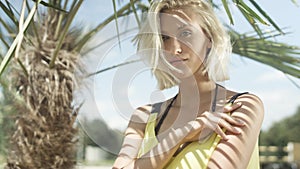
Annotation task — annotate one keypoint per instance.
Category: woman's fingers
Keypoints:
(229, 127)
(217, 121)
(221, 133)
(231, 107)
(232, 120)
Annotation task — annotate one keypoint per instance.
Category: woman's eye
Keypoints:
(185, 33)
(165, 37)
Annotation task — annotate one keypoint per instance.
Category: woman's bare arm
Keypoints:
(157, 157)
(160, 154)
(237, 150)
(133, 138)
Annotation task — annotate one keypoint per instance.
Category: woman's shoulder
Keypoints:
(252, 105)
(244, 96)
(141, 114)
(252, 102)
(237, 150)
(138, 120)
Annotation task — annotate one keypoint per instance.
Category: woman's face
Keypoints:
(185, 44)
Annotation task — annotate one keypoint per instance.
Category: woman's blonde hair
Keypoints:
(150, 42)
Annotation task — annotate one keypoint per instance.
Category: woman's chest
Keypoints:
(177, 117)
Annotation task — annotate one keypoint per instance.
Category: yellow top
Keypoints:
(195, 155)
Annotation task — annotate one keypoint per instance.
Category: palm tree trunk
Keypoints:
(46, 133)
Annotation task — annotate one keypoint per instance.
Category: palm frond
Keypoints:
(250, 20)
(135, 13)
(65, 31)
(6, 45)
(93, 47)
(60, 20)
(295, 2)
(12, 48)
(21, 24)
(116, 21)
(279, 55)
(266, 16)
(8, 11)
(225, 4)
(112, 67)
(50, 5)
(99, 27)
(246, 9)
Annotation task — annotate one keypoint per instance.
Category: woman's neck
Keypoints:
(195, 89)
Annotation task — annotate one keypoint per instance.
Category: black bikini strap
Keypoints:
(233, 98)
(156, 107)
(164, 115)
(214, 103)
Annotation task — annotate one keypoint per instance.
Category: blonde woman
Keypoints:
(188, 47)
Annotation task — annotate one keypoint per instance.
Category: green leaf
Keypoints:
(135, 13)
(3, 40)
(252, 23)
(112, 67)
(9, 13)
(64, 33)
(266, 15)
(9, 29)
(107, 40)
(51, 6)
(225, 4)
(249, 11)
(116, 19)
(12, 48)
(280, 56)
(295, 2)
(21, 24)
(99, 27)
(60, 20)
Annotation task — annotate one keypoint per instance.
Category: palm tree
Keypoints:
(44, 71)
(42, 63)
(43, 75)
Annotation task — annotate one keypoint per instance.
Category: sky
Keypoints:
(113, 95)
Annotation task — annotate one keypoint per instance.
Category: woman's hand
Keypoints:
(214, 121)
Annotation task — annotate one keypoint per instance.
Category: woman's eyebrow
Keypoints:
(182, 26)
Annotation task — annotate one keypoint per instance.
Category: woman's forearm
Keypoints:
(160, 154)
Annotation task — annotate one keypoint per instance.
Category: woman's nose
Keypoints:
(174, 46)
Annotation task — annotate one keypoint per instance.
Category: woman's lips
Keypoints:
(178, 60)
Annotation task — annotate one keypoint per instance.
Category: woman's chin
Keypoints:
(183, 75)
